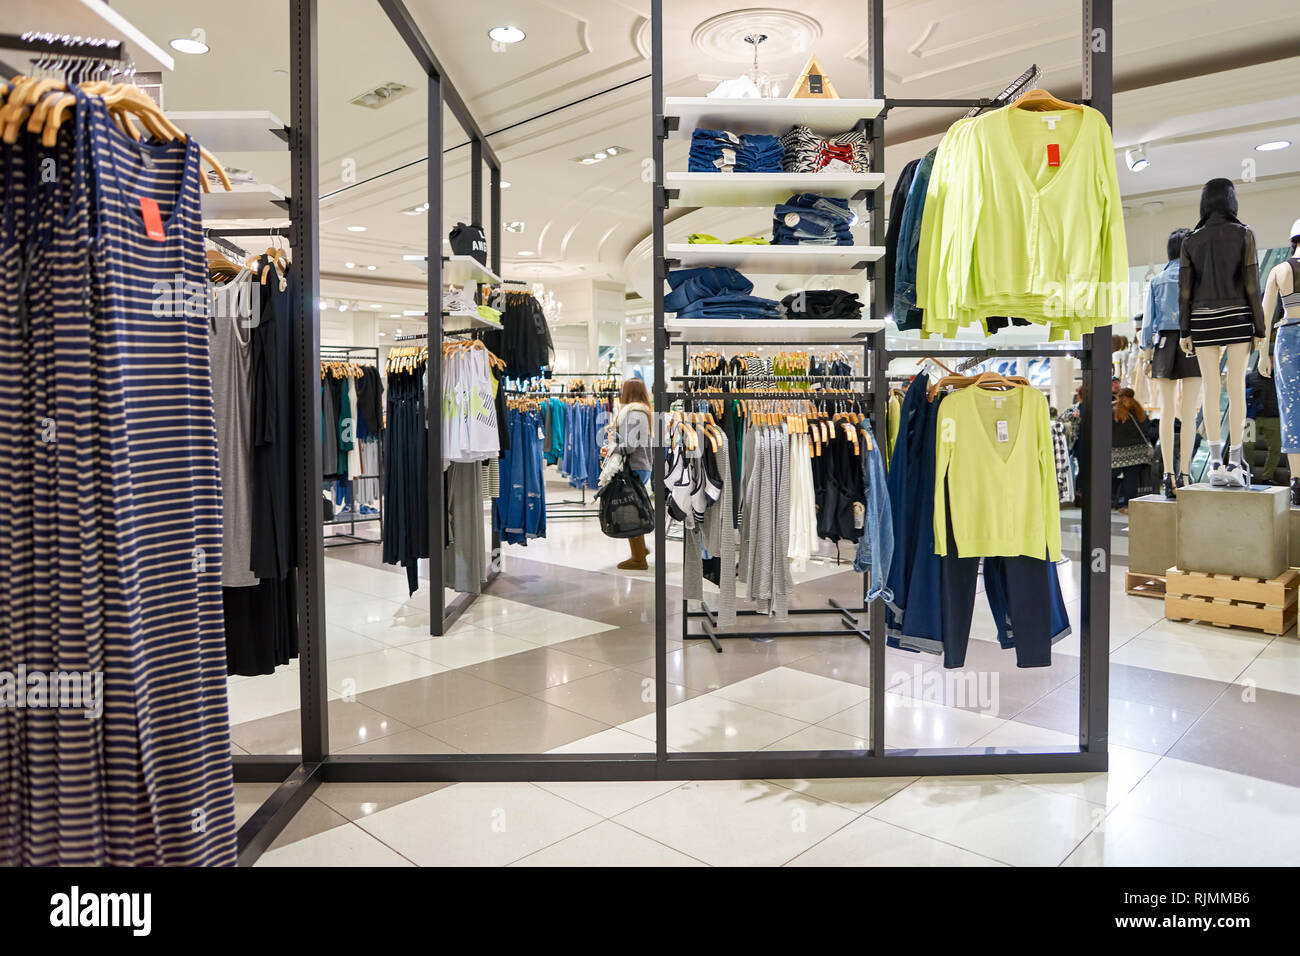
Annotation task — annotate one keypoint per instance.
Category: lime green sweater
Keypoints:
(995, 451)
(1023, 217)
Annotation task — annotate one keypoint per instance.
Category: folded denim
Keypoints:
(822, 304)
(724, 151)
(784, 237)
(692, 285)
(730, 306)
(834, 209)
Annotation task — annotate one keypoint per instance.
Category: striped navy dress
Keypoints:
(125, 534)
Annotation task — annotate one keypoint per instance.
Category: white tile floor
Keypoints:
(1149, 809)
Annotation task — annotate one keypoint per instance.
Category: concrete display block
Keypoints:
(1152, 534)
(1234, 531)
(1295, 538)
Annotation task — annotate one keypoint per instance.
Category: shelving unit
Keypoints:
(792, 331)
(763, 189)
(776, 260)
(261, 201)
(683, 114)
(234, 131)
(458, 270)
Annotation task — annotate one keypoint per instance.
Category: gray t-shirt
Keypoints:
(230, 352)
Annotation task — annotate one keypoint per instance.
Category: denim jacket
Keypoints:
(1161, 311)
(876, 547)
(906, 313)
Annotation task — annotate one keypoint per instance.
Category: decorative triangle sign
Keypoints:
(813, 83)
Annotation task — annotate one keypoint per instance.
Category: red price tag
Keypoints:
(1053, 154)
(153, 226)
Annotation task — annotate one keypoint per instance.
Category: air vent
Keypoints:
(380, 96)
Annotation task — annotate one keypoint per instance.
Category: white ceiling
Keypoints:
(584, 221)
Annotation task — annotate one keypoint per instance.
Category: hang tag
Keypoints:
(1004, 433)
(541, 432)
(153, 226)
(1051, 121)
(1053, 154)
(791, 219)
(859, 515)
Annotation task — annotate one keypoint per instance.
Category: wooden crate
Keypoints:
(1144, 585)
(1225, 600)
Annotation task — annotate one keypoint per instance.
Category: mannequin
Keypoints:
(1219, 313)
(1169, 365)
(1283, 283)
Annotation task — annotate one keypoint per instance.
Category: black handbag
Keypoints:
(625, 507)
(469, 241)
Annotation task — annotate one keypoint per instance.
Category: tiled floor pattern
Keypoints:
(560, 658)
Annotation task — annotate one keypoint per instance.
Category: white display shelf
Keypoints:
(775, 260)
(244, 202)
(763, 189)
(774, 117)
(458, 270)
(233, 131)
(460, 321)
(85, 18)
(685, 331)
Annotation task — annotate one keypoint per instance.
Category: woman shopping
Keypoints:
(631, 431)
(1131, 454)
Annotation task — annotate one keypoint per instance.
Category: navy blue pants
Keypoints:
(1024, 595)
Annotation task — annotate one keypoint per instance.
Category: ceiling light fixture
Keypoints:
(399, 331)
(599, 154)
(356, 228)
(516, 226)
(371, 268)
(375, 305)
(507, 34)
(383, 335)
(350, 265)
(1135, 157)
(505, 184)
(525, 252)
(1275, 144)
(188, 45)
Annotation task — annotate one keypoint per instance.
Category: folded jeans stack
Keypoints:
(716, 293)
(720, 151)
(809, 219)
(822, 304)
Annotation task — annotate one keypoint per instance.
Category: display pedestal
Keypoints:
(1152, 534)
(1244, 533)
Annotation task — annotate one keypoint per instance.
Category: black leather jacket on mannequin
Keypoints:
(1218, 267)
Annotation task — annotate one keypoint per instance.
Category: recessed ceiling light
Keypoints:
(350, 265)
(504, 184)
(525, 252)
(588, 160)
(600, 154)
(356, 228)
(643, 338)
(399, 331)
(372, 268)
(188, 45)
(393, 315)
(343, 306)
(1275, 144)
(383, 335)
(375, 305)
(507, 34)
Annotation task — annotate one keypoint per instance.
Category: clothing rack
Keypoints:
(361, 355)
(1090, 753)
(62, 44)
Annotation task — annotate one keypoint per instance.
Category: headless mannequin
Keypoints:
(1280, 283)
(1191, 401)
(1209, 357)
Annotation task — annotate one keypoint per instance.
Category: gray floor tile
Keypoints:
(1230, 743)
(1152, 728)
(702, 668)
(1160, 687)
(613, 696)
(615, 647)
(357, 800)
(351, 723)
(437, 697)
(314, 817)
(533, 671)
(522, 725)
(406, 742)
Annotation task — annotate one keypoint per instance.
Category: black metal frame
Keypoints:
(300, 776)
(340, 539)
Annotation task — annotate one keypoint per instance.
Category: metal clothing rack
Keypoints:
(359, 354)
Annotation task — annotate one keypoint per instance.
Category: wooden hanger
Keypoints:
(1039, 100)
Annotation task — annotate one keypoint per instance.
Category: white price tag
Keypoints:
(1004, 433)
